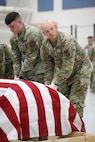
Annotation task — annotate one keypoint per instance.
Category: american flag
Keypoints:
(31, 109)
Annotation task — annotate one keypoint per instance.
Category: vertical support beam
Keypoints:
(94, 30)
(71, 29)
(76, 31)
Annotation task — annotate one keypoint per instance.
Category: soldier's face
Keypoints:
(90, 41)
(16, 26)
(50, 30)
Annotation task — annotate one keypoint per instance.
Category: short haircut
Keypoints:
(90, 37)
(12, 16)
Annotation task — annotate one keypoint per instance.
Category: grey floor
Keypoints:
(89, 112)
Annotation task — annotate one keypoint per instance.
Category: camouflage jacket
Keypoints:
(87, 49)
(27, 45)
(5, 57)
(92, 55)
(65, 56)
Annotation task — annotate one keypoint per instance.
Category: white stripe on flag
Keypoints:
(7, 126)
(48, 108)
(32, 108)
(11, 95)
(77, 122)
(66, 127)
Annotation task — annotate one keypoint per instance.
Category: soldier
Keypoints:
(92, 57)
(6, 64)
(25, 43)
(88, 46)
(87, 50)
(65, 58)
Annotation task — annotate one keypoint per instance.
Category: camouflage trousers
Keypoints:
(92, 84)
(9, 71)
(2, 70)
(33, 77)
(39, 78)
(6, 71)
(75, 92)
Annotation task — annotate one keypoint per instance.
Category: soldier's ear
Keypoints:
(44, 33)
(56, 26)
(20, 21)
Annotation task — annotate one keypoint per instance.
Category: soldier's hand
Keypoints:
(16, 77)
(53, 86)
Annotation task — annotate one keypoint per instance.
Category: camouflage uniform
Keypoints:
(27, 45)
(87, 50)
(6, 64)
(92, 56)
(72, 68)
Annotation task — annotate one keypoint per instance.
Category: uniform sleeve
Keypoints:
(91, 51)
(30, 57)
(33, 50)
(8, 53)
(16, 57)
(2, 61)
(68, 60)
(49, 66)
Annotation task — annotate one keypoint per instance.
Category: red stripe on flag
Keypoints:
(43, 130)
(24, 119)
(4, 85)
(72, 115)
(56, 110)
(3, 137)
(10, 112)
(83, 126)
